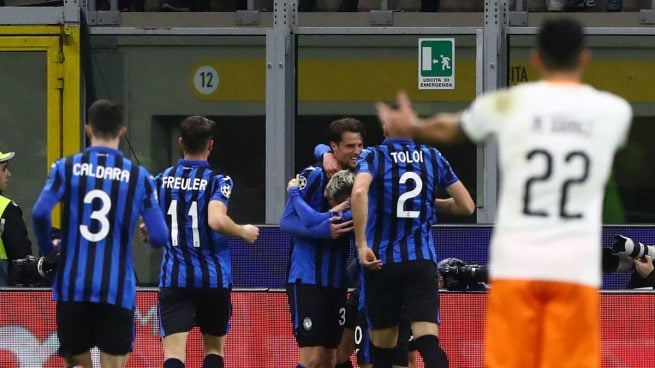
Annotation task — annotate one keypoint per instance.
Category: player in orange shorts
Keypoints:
(557, 138)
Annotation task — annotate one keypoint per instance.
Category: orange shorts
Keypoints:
(542, 324)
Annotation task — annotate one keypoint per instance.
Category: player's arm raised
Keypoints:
(443, 128)
(218, 220)
(460, 202)
(440, 128)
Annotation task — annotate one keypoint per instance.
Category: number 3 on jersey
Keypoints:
(193, 213)
(99, 215)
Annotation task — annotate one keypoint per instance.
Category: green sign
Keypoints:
(436, 63)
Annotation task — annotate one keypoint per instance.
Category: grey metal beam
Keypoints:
(494, 66)
(280, 106)
(182, 31)
(71, 11)
(41, 17)
(480, 202)
(385, 30)
(610, 31)
(10, 15)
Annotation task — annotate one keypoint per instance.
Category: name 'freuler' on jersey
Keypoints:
(172, 182)
(196, 256)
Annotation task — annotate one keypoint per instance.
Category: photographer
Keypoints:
(14, 243)
(643, 275)
(627, 254)
(31, 271)
(457, 275)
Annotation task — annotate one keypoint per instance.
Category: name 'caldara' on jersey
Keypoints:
(103, 195)
(101, 172)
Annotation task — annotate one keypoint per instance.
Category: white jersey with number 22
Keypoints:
(556, 145)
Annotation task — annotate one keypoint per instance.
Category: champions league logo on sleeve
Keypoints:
(302, 183)
(226, 190)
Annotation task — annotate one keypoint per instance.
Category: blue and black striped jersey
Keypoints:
(316, 260)
(406, 178)
(103, 194)
(195, 256)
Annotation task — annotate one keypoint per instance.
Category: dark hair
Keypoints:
(196, 131)
(338, 127)
(561, 42)
(105, 118)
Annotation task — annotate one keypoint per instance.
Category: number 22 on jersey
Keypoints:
(579, 179)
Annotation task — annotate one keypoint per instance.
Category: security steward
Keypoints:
(14, 243)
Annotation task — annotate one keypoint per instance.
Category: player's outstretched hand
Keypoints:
(250, 233)
(339, 228)
(367, 259)
(398, 118)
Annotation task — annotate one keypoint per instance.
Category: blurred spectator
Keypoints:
(123, 5)
(131, 5)
(306, 5)
(185, 6)
(579, 5)
(351, 5)
(430, 5)
(614, 5)
(348, 6)
(582, 5)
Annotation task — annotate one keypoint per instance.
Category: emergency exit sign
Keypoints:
(436, 63)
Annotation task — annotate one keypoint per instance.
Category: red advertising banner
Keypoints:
(260, 334)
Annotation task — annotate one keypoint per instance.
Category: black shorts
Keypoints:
(352, 309)
(181, 309)
(411, 346)
(363, 343)
(83, 325)
(411, 286)
(318, 314)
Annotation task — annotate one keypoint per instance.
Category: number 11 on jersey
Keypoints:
(193, 213)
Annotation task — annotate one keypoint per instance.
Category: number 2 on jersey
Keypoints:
(566, 185)
(193, 213)
(401, 212)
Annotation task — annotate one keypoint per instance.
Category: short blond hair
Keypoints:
(340, 183)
